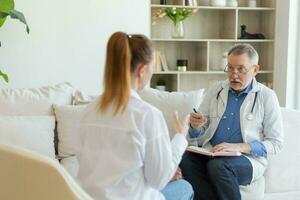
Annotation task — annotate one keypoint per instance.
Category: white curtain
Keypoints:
(297, 92)
(293, 58)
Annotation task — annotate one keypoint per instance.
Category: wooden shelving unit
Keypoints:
(208, 34)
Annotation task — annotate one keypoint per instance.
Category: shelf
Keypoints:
(209, 34)
(257, 8)
(205, 72)
(213, 7)
(186, 72)
(206, 40)
(257, 22)
(170, 79)
(194, 7)
(218, 25)
(194, 52)
(202, 26)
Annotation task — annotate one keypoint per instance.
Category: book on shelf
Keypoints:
(206, 152)
(163, 61)
(157, 62)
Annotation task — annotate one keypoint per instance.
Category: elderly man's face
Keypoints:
(240, 71)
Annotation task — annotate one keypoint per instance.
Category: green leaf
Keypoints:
(14, 14)
(2, 20)
(4, 76)
(3, 14)
(6, 5)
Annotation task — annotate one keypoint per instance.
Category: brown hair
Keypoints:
(124, 53)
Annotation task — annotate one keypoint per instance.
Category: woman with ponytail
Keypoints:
(125, 149)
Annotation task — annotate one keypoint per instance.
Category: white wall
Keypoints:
(67, 40)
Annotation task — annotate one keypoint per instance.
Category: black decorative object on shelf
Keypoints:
(163, 2)
(182, 65)
(246, 35)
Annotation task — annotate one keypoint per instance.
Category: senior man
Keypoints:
(239, 114)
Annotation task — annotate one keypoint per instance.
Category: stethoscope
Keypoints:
(250, 116)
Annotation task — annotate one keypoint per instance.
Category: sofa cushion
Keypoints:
(35, 133)
(67, 118)
(34, 101)
(253, 191)
(168, 102)
(71, 165)
(282, 174)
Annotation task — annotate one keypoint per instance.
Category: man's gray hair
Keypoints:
(240, 49)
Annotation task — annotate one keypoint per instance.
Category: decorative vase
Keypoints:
(178, 30)
(218, 3)
(232, 3)
(252, 3)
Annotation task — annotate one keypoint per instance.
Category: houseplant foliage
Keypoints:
(177, 15)
(174, 14)
(7, 8)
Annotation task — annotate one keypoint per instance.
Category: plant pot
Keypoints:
(161, 87)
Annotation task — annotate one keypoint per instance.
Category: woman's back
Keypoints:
(125, 150)
(113, 152)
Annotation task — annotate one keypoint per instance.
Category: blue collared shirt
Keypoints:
(229, 129)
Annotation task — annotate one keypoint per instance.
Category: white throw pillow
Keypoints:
(34, 101)
(168, 102)
(35, 133)
(67, 118)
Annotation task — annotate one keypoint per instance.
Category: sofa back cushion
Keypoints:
(34, 101)
(67, 118)
(35, 133)
(282, 174)
(168, 102)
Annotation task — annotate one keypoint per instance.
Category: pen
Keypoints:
(203, 115)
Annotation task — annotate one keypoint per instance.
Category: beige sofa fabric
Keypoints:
(29, 176)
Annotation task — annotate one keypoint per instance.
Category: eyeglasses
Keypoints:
(240, 69)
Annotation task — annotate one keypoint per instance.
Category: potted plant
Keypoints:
(177, 15)
(161, 84)
(7, 8)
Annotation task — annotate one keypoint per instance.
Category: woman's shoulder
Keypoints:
(140, 105)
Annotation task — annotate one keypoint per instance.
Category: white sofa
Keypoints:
(22, 111)
(282, 178)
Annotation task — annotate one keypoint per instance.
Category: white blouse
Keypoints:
(127, 156)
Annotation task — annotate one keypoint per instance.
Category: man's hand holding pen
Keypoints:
(197, 119)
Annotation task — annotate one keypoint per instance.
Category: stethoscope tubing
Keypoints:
(250, 116)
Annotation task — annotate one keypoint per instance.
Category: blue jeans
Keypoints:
(178, 190)
(216, 178)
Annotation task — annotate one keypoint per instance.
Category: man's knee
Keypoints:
(217, 168)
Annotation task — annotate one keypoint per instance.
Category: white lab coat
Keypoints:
(129, 156)
(266, 125)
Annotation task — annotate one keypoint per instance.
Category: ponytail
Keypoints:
(117, 82)
(124, 54)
